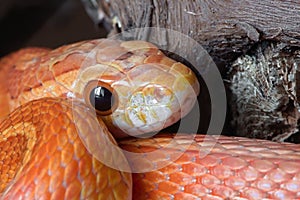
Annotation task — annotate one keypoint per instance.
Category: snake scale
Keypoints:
(52, 100)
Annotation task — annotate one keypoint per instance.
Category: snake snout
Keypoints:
(150, 108)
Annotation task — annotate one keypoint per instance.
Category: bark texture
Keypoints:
(226, 29)
(257, 42)
(265, 92)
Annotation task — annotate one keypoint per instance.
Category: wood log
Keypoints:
(226, 29)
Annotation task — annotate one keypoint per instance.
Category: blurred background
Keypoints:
(47, 23)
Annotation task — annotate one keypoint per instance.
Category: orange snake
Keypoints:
(48, 149)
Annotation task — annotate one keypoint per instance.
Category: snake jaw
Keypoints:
(152, 106)
(149, 108)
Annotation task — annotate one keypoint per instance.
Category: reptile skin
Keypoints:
(50, 149)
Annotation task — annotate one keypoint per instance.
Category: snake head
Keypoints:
(135, 88)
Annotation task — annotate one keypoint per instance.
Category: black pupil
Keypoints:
(101, 98)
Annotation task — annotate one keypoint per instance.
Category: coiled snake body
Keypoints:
(55, 115)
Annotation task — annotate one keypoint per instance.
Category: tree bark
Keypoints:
(226, 29)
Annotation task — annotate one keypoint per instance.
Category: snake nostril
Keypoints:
(101, 96)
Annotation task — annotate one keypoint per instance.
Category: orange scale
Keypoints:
(171, 168)
(17, 117)
(236, 183)
(42, 188)
(56, 176)
(3, 155)
(43, 152)
(4, 180)
(121, 191)
(275, 160)
(5, 146)
(114, 177)
(218, 152)
(194, 169)
(212, 197)
(62, 140)
(268, 155)
(208, 181)
(54, 162)
(156, 195)
(155, 176)
(181, 178)
(110, 54)
(56, 111)
(197, 189)
(67, 154)
(234, 163)
(208, 161)
(161, 59)
(30, 80)
(71, 62)
(141, 164)
(249, 174)
(265, 185)
(102, 181)
(224, 192)
(73, 190)
(143, 185)
(168, 187)
(84, 166)
(73, 137)
(278, 176)
(78, 151)
(292, 186)
(27, 115)
(70, 172)
(283, 194)
(185, 196)
(58, 193)
(140, 47)
(179, 68)
(262, 165)
(291, 167)
(51, 143)
(106, 193)
(167, 80)
(253, 193)
(221, 172)
(54, 127)
(89, 186)
(186, 157)
(238, 150)
(248, 158)
(44, 74)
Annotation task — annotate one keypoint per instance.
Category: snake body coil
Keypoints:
(56, 119)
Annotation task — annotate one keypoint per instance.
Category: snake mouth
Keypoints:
(150, 108)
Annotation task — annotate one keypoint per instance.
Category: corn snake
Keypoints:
(43, 160)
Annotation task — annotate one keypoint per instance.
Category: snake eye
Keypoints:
(101, 96)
